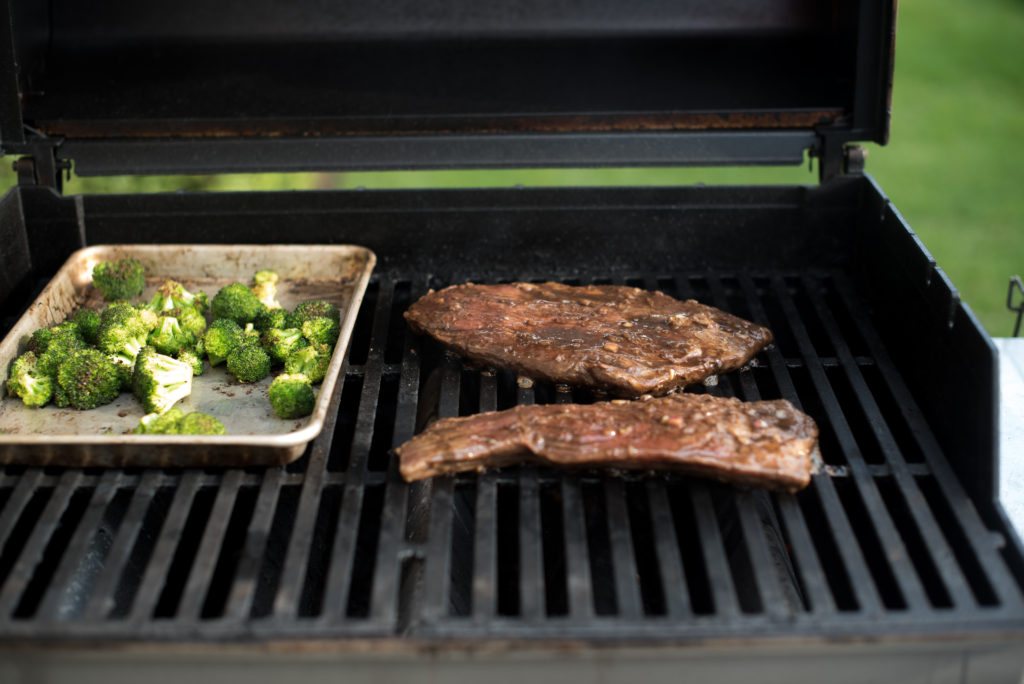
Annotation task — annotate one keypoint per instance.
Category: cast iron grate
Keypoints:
(336, 545)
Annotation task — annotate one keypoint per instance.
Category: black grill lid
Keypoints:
(145, 87)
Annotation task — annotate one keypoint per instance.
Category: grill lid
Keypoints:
(192, 87)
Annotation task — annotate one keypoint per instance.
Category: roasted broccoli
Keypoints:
(196, 423)
(291, 395)
(160, 423)
(26, 381)
(315, 308)
(321, 330)
(88, 379)
(88, 322)
(280, 343)
(173, 295)
(169, 338)
(122, 332)
(268, 319)
(190, 320)
(193, 359)
(237, 302)
(264, 286)
(159, 380)
(64, 340)
(38, 341)
(249, 362)
(220, 339)
(311, 361)
(121, 279)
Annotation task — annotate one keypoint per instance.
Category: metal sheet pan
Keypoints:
(102, 437)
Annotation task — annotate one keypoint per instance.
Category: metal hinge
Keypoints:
(43, 169)
(836, 158)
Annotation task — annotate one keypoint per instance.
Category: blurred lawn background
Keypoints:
(954, 165)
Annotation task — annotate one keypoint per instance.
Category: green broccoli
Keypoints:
(314, 308)
(65, 339)
(39, 340)
(249, 362)
(190, 320)
(193, 359)
(264, 286)
(26, 381)
(321, 330)
(291, 395)
(122, 332)
(89, 379)
(280, 343)
(121, 279)
(124, 369)
(311, 361)
(196, 423)
(268, 319)
(169, 338)
(237, 302)
(150, 318)
(166, 423)
(173, 295)
(88, 322)
(221, 338)
(159, 380)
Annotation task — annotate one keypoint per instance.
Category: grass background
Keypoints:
(954, 165)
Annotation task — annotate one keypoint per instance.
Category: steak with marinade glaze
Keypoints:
(624, 340)
(767, 444)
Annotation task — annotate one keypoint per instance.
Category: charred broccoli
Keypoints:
(169, 338)
(311, 361)
(173, 295)
(121, 279)
(269, 319)
(280, 343)
(249, 362)
(88, 379)
(159, 380)
(315, 308)
(291, 395)
(27, 382)
(88, 322)
(264, 286)
(321, 330)
(221, 338)
(237, 302)
(160, 423)
(196, 423)
(122, 332)
(193, 359)
(64, 340)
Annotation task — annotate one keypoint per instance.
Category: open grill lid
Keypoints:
(143, 87)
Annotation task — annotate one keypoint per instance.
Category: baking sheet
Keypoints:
(101, 436)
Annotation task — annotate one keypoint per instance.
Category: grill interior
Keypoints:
(885, 540)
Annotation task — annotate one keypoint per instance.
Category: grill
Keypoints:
(898, 548)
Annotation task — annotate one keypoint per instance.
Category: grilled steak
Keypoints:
(624, 340)
(767, 444)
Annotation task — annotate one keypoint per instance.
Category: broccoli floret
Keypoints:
(65, 339)
(124, 369)
(268, 319)
(248, 362)
(122, 332)
(264, 286)
(169, 338)
(27, 382)
(89, 379)
(196, 423)
(88, 322)
(159, 380)
(173, 295)
(121, 279)
(280, 343)
(149, 317)
(311, 361)
(160, 423)
(193, 359)
(291, 395)
(321, 330)
(190, 320)
(237, 302)
(39, 340)
(221, 338)
(315, 308)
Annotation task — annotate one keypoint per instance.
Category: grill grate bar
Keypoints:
(485, 521)
(579, 581)
(101, 599)
(26, 487)
(896, 555)
(723, 590)
(57, 601)
(160, 561)
(32, 553)
(213, 539)
(243, 590)
(531, 568)
(935, 542)
(983, 544)
(838, 523)
(673, 579)
(627, 592)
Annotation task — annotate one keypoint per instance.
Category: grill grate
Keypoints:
(337, 545)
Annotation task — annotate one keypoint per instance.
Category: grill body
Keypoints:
(898, 547)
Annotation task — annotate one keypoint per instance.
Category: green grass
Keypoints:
(954, 165)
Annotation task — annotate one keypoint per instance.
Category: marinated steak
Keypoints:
(623, 340)
(767, 444)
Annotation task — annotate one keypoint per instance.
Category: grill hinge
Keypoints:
(43, 168)
(838, 158)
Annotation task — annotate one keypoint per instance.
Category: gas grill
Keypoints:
(897, 562)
